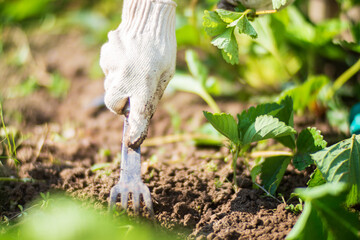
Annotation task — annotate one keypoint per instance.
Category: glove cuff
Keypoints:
(148, 16)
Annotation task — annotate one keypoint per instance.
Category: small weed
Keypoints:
(45, 199)
(99, 166)
(22, 211)
(59, 86)
(218, 183)
(8, 142)
(153, 160)
(104, 152)
(211, 166)
(297, 209)
(25, 88)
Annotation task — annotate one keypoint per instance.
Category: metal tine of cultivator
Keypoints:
(130, 179)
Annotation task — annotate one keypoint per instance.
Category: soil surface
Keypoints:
(73, 146)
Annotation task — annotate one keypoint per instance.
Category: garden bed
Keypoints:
(73, 147)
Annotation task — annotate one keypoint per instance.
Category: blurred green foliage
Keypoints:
(290, 47)
(62, 218)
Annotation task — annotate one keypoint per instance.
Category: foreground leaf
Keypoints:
(324, 216)
(309, 141)
(225, 124)
(341, 163)
(272, 171)
(62, 218)
(266, 127)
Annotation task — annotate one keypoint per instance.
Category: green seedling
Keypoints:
(218, 183)
(8, 142)
(22, 211)
(296, 209)
(45, 199)
(211, 166)
(99, 166)
(26, 88)
(59, 86)
(268, 121)
(198, 82)
(103, 152)
(265, 121)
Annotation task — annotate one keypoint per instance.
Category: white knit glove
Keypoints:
(139, 61)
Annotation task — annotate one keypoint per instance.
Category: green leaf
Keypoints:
(266, 127)
(316, 179)
(272, 171)
(324, 216)
(222, 24)
(243, 26)
(225, 124)
(309, 141)
(307, 93)
(196, 68)
(247, 117)
(213, 24)
(255, 171)
(228, 16)
(59, 86)
(228, 44)
(286, 115)
(338, 117)
(341, 163)
(278, 3)
(187, 83)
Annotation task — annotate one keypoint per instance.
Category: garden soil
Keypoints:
(74, 146)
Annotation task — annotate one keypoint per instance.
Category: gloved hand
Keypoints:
(139, 61)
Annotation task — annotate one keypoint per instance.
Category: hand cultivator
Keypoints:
(130, 178)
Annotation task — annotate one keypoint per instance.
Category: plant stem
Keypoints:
(235, 157)
(210, 101)
(24, 180)
(271, 154)
(343, 78)
(267, 193)
(265, 12)
(183, 137)
(5, 130)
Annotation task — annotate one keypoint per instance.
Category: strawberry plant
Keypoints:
(268, 121)
(334, 183)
